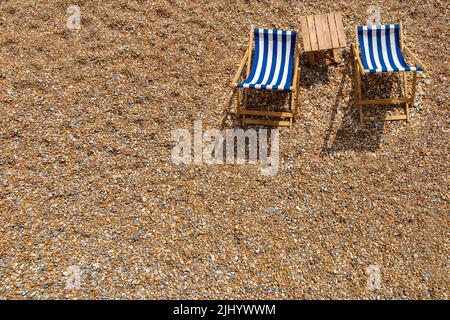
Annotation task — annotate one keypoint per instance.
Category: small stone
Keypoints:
(271, 210)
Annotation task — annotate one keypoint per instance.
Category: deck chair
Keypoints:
(382, 50)
(275, 67)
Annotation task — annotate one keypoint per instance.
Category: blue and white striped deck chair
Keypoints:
(382, 50)
(275, 67)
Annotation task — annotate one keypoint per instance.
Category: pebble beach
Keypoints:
(93, 207)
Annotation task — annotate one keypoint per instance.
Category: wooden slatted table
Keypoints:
(322, 35)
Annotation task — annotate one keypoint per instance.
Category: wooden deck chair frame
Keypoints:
(284, 118)
(404, 99)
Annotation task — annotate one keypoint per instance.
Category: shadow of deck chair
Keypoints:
(275, 67)
(382, 50)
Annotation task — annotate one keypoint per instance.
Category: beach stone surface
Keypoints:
(92, 206)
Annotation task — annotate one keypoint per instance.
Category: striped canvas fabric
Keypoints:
(273, 61)
(380, 49)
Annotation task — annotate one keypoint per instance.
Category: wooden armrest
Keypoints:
(358, 59)
(416, 60)
(239, 70)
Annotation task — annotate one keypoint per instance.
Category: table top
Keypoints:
(323, 32)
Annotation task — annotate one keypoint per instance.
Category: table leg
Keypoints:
(311, 58)
(336, 56)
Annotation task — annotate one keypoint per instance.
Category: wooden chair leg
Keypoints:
(358, 94)
(245, 98)
(292, 108)
(405, 87)
(405, 94)
(361, 118)
(296, 105)
(238, 101)
(413, 93)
